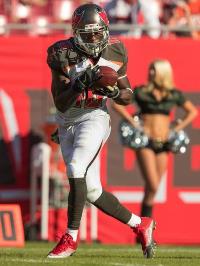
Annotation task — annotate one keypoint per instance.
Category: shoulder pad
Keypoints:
(56, 57)
(59, 45)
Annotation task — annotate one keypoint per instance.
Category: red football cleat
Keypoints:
(65, 248)
(144, 232)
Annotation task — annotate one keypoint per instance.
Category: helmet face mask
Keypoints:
(90, 27)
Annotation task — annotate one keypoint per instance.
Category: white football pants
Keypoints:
(81, 144)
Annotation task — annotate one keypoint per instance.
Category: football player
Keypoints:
(84, 122)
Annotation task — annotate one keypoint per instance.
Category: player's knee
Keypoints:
(76, 169)
(94, 194)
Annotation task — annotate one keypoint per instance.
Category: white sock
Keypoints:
(73, 233)
(134, 221)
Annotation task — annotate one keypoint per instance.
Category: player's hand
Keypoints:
(87, 78)
(108, 91)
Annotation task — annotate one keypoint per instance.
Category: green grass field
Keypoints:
(97, 254)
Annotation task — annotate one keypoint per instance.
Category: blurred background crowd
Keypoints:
(152, 18)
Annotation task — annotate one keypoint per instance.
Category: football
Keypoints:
(108, 77)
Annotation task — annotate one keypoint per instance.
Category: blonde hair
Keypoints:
(163, 74)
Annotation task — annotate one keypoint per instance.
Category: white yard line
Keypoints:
(35, 261)
(129, 249)
(30, 260)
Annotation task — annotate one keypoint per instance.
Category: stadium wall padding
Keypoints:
(25, 102)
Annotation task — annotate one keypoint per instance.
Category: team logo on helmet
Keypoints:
(104, 17)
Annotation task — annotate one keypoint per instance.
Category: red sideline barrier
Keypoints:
(24, 105)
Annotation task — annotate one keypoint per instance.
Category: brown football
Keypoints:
(108, 77)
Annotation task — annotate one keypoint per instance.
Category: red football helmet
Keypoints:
(90, 28)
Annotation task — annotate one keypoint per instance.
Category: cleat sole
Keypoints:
(60, 257)
(150, 250)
